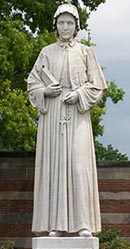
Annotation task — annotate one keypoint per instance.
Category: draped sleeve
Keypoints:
(36, 85)
(92, 90)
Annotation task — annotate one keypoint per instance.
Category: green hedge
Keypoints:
(7, 245)
(110, 239)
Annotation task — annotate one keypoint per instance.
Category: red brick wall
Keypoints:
(114, 190)
(16, 196)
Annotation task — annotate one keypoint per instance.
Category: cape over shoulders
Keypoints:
(54, 46)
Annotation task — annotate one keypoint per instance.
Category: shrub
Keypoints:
(110, 239)
(7, 245)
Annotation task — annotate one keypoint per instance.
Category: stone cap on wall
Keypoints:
(113, 164)
(32, 155)
(16, 154)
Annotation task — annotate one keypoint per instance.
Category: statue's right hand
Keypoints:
(52, 90)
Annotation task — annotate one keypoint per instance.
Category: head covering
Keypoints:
(69, 8)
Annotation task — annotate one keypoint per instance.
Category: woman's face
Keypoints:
(66, 26)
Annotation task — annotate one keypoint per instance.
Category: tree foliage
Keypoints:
(37, 14)
(115, 94)
(108, 153)
(17, 119)
(16, 51)
(19, 48)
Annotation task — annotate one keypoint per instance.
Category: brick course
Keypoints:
(16, 185)
(114, 185)
(16, 206)
(17, 230)
(115, 206)
(26, 206)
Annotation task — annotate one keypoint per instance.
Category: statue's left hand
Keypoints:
(71, 98)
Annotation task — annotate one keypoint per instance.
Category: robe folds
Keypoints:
(66, 190)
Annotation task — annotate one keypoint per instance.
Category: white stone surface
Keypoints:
(65, 243)
(66, 189)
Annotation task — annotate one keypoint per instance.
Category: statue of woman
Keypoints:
(65, 82)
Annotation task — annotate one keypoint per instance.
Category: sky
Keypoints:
(110, 31)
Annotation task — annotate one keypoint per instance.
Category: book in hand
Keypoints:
(47, 77)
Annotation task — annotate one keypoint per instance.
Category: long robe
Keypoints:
(66, 190)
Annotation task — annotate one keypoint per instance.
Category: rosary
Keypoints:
(66, 118)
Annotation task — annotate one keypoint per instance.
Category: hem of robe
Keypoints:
(41, 232)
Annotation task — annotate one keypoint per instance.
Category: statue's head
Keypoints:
(66, 21)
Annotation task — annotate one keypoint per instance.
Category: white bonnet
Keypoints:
(67, 8)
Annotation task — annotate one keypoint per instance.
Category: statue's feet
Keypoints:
(85, 233)
(55, 234)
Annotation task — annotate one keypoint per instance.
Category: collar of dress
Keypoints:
(70, 43)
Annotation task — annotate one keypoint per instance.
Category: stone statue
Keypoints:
(65, 82)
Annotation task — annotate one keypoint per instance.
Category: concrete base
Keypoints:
(65, 243)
